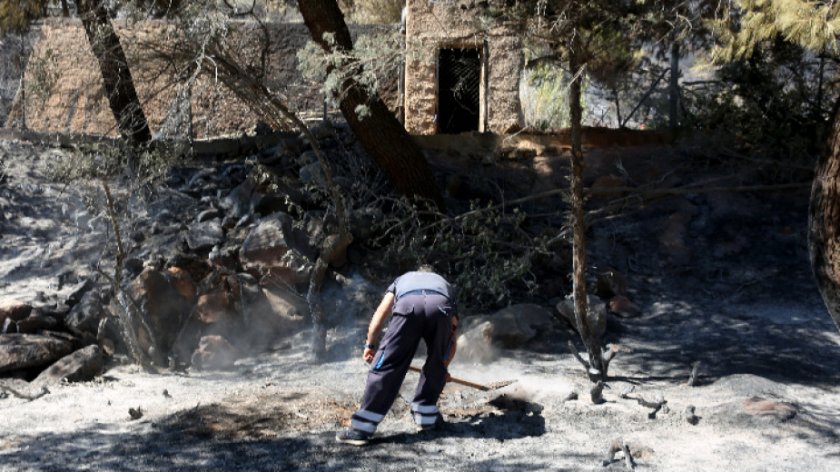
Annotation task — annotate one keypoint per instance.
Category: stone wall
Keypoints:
(431, 26)
(64, 88)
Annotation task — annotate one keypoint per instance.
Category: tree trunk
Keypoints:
(824, 222)
(382, 136)
(593, 345)
(116, 77)
(65, 9)
(674, 88)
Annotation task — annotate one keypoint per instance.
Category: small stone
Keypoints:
(782, 411)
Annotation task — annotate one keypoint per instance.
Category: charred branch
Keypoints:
(10, 390)
(655, 406)
(694, 375)
(616, 446)
(596, 393)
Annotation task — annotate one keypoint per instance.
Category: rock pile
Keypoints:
(217, 264)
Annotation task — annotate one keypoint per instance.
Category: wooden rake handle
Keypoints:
(457, 380)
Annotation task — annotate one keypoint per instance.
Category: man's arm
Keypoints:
(375, 327)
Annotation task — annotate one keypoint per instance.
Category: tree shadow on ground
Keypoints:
(735, 341)
(521, 419)
(228, 438)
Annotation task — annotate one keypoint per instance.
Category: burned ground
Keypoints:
(721, 278)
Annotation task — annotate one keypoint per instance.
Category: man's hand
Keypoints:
(368, 355)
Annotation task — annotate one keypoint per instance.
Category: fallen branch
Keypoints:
(607, 355)
(654, 405)
(44, 391)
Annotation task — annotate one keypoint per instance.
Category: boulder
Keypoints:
(15, 311)
(515, 325)
(267, 248)
(476, 344)
(761, 407)
(266, 243)
(84, 317)
(80, 366)
(214, 306)
(623, 307)
(597, 315)
(162, 307)
(609, 283)
(204, 235)
(509, 328)
(182, 282)
(22, 351)
(238, 202)
(36, 322)
(214, 352)
(283, 301)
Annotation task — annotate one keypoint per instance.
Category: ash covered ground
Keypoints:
(720, 278)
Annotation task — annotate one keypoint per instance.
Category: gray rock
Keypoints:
(238, 202)
(36, 322)
(214, 352)
(597, 315)
(311, 174)
(80, 366)
(476, 344)
(514, 326)
(205, 235)
(14, 311)
(22, 351)
(266, 243)
(163, 308)
(208, 214)
(83, 318)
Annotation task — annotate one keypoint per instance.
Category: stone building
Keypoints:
(461, 73)
(462, 69)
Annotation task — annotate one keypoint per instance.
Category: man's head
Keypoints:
(425, 268)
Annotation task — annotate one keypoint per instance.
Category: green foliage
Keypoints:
(544, 97)
(487, 253)
(105, 160)
(17, 15)
(770, 104)
(372, 11)
(375, 58)
(753, 24)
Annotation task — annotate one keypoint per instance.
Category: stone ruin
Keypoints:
(459, 75)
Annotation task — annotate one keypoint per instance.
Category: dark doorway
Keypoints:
(459, 79)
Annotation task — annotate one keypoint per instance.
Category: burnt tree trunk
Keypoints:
(382, 136)
(824, 222)
(593, 345)
(116, 77)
